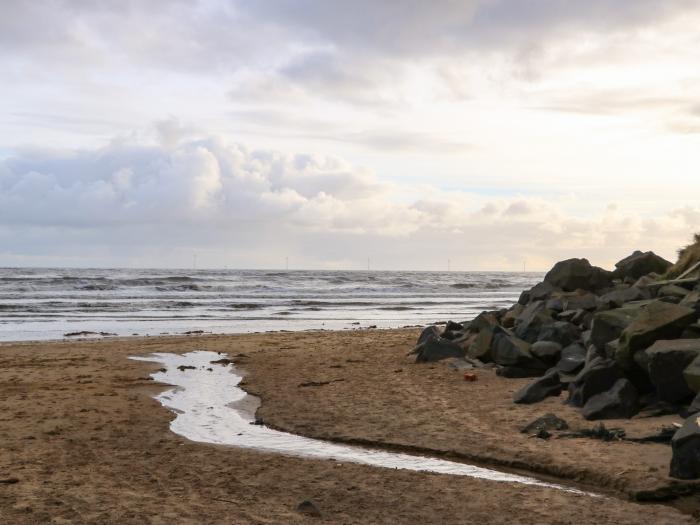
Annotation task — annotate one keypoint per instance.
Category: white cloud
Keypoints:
(210, 193)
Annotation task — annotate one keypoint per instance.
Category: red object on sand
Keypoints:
(470, 377)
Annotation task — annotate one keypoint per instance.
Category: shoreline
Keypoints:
(275, 365)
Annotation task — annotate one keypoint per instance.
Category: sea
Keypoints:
(50, 303)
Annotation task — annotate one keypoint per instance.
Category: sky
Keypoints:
(493, 134)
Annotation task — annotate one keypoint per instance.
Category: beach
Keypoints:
(85, 442)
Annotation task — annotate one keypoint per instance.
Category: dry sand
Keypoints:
(86, 443)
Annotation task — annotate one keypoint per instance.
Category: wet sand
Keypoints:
(86, 443)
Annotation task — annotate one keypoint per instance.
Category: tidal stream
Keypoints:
(212, 408)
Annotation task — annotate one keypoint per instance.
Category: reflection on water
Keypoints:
(211, 408)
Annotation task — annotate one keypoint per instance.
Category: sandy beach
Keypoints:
(85, 442)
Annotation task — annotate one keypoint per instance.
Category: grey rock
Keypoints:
(560, 332)
(574, 274)
(639, 264)
(658, 320)
(548, 385)
(609, 325)
(573, 358)
(538, 292)
(685, 447)
(546, 422)
(429, 331)
(620, 401)
(436, 348)
(597, 376)
(547, 351)
(666, 362)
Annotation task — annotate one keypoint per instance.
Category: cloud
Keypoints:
(158, 203)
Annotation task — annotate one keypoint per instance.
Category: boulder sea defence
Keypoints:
(617, 342)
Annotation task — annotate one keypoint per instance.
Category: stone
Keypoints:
(546, 386)
(692, 300)
(429, 331)
(673, 290)
(518, 372)
(620, 401)
(685, 449)
(451, 326)
(579, 301)
(485, 320)
(546, 422)
(572, 359)
(694, 406)
(596, 377)
(666, 362)
(658, 320)
(508, 320)
(618, 298)
(309, 508)
(639, 264)
(538, 292)
(560, 332)
(436, 348)
(609, 325)
(480, 348)
(508, 350)
(574, 274)
(691, 375)
(547, 351)
(529, 323)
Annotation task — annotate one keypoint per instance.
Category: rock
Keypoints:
(672, 290)
(529, 323)
(458, 363)
(547, 385)
(691, 375)
(666, 362)
(451, 326)
(658, 320)
(308, 508)
(546, 422)
(694, 406)
(560, 332)
(692, 300)
(621, 401)
(547, 351)
(518, 372)
(538, 292)
(508, 350)
(685, 447)
(429, 331)
(572, 359)
(436, 348)
(574, 274)
(481, 346)
(485, 320)
(508, 320)
(639, 264)
(609, 325)
(617, 298)
(596, 377)
(578, 301)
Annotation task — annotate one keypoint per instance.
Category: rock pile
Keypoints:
(617, 341)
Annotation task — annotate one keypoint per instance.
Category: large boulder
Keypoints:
(658, 320)
(617, 298)
(539, 292)
(435, 349)
(597, 376)
(428, 332)
(640, 263)
(546, 351)
(509, 350)
(548, 385)
(691, 375)
(666, 363)
(685, 447)
(574, 274)
(573, 358)
(620, 401)
(609, 325)
(530, 322)
(560, 332)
